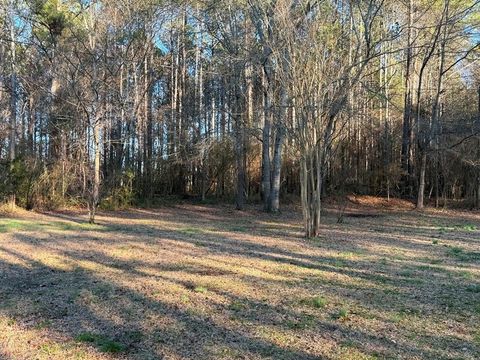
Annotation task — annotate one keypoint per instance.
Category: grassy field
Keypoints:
(207, 282)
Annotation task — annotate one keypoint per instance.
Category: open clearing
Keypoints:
(207, 282)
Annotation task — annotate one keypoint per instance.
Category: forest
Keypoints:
(280, 138)
(108, 103)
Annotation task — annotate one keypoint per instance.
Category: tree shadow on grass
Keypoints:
(39, 293)
(81, 300)
(78, 302)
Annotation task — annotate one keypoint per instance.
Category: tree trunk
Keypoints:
(425, 139)
(266, 176)
(276, 171)
(13, 94)
(407, 111)
(311, 177)
(96, 173)
(240, 197)
(421, 182)
(13, 99)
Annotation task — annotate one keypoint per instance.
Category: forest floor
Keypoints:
(208, 282)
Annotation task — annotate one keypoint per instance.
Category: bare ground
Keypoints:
(208, 282)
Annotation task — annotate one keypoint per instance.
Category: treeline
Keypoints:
(111, 103)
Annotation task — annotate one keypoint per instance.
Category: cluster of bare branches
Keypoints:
(249, 99)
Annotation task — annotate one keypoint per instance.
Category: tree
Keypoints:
(112, 104)
(319, 45)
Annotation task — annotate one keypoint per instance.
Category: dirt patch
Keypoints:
(381, 202)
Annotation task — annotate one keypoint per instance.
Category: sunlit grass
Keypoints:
(154, 280)
(16, 225)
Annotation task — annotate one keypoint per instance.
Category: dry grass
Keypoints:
(201, 282)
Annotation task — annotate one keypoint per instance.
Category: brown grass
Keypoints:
(203, 282)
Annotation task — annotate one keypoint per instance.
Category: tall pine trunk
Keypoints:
(266, 179)
(96, 173)
(13, 99)
(276, 170)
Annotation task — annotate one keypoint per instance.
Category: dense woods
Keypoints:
(114, 103)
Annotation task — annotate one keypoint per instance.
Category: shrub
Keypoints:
(316, 302)
(342, 314)
(121, 195)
